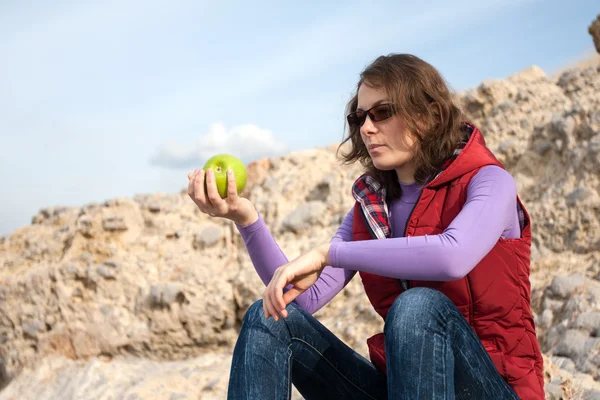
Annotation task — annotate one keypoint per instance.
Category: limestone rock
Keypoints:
(143, 298)
(594, 30)
(305, 217)
(208, 237)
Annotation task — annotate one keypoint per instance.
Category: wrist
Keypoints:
(246, 218)
(324, 250)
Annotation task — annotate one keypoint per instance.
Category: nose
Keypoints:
(368, 127)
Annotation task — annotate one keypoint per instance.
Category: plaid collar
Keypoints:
(371, 196)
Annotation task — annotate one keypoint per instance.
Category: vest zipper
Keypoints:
(471, 302)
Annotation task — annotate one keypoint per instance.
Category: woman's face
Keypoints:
(390, 144)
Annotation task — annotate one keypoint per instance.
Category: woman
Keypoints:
(448, 271)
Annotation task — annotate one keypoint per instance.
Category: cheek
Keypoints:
(405, 142)
(409, 142)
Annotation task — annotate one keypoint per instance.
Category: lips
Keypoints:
(374, 146)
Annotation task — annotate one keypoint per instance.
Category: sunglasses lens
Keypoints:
(376, 114)
(381, 112)
(354, 119)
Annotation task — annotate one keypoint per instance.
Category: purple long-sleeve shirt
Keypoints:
(490, 212)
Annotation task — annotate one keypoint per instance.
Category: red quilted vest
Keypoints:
(494, 297)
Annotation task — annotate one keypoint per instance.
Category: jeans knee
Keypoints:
(415, 301)
(255, 315)
(415, 308)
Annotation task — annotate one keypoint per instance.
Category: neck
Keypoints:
(406, 174)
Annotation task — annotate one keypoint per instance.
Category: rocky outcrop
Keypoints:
(594, 30)
(142, 297)
(546, 133)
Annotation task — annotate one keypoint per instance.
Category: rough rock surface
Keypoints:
(594, 30)
(142, 298)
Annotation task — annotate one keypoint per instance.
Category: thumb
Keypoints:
(291, 294)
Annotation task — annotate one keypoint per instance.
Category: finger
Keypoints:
(266, 300)
(291, 295)
(276, 307)
(211, 189)
(191, 177)
(268, 295)
(232, 194)
(194, 172)
(268, 305)
(271, 305)
(199, 195)
(278, 302)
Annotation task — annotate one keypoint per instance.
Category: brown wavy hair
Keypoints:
(422, 97)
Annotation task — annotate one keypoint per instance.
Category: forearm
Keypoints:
(491, 197)
(266, 256)
(264, 252)
(329, 284)
(436, 257)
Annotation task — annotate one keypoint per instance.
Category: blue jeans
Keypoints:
(432, 353)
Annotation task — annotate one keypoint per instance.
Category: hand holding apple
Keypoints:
(215, 190)
(220, 164)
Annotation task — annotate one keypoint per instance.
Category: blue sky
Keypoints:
(114, 98)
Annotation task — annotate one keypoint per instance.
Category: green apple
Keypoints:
(220, 163)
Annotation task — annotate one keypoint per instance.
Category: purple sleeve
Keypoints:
(266, 257)
(489, 212)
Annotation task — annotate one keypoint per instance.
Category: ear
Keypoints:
(422, 124)
(435, 113)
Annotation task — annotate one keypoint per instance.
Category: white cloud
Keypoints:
(247, 142)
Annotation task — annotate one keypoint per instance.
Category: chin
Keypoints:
(383, 166)
(381, 163)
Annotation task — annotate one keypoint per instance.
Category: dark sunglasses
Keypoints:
(376, 113)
